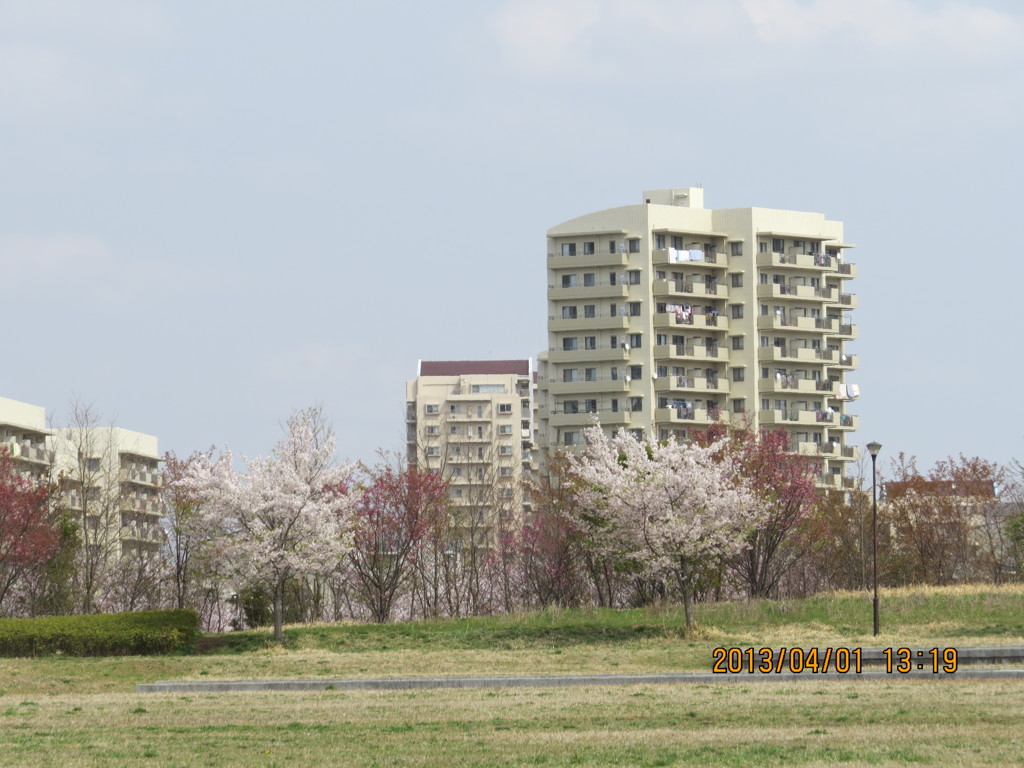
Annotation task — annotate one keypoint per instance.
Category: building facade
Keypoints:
(472, 422)
(667, 317)
(23, 434)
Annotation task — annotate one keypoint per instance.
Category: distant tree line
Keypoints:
(296, 537)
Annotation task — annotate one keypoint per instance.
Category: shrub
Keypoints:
(109, 634)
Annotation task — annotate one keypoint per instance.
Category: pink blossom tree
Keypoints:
(392, 520)
(671, 508)
(289, 516)
(27, 535)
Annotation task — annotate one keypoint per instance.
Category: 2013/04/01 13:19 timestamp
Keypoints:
(823, 660)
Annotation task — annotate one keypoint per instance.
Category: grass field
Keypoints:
(84, 712)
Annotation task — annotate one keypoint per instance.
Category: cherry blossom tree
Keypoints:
(289, 516)
(394, 515)
(27, 535)
(672, 508)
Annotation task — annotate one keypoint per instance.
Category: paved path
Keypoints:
(983, 658)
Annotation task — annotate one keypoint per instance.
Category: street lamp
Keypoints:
(873, 449)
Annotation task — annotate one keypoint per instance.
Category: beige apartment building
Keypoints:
(667, 317)
(109, 475)
(23, 434)
(472, 421)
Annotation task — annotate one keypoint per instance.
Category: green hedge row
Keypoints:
(105, 634)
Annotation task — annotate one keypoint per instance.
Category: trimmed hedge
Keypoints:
(137, 633)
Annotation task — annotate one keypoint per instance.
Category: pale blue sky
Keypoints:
(215, 212)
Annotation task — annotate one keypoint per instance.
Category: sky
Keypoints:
(215, 213)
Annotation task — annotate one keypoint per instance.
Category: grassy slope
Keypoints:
(82, 712)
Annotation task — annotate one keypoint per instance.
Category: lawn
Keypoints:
(84, 712)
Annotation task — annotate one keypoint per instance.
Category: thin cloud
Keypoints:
(952, 26)
(52, 254)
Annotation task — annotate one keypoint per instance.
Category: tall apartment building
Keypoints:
(667, 317)
(109, 474)
(472, 421)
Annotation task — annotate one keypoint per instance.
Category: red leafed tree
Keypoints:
(396, 513)
(784, 482)
(27, 536)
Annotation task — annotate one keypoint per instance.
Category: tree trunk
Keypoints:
(279, 611)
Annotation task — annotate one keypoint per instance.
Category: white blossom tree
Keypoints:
(288, 516)
(669, 508)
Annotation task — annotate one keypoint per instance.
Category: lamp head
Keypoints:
(874, 448)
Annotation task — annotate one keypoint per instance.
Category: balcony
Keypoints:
(816, 261)
(693, 320)
(139, 477)
(688, 289)
(599, 259)
(848, 300)
(788, 417)
(697, 257)
(580, 323)
(844, 361)
(677, 383)
(600, 291)
(845, 331)
(792, 383)
(789, 354)
(847, 271)
(784, 321)
(602, 354)
(584, 387)
(790, 291)
(689, 415)
(691, 351)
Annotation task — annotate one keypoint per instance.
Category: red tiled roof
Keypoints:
(469, 367)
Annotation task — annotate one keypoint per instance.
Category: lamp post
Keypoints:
(873, 449)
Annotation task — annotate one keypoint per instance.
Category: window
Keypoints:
(736, 249)
(504, 429)
(590, 374)
(505, 471)
(505, 408)
(736, 280)
(570, 406)
(615, 405)
(454, 430)
(661, 339)
(589, 279)
(568, 281)
(765, 405)
(612, 278)
(633, 277)
(613, 310)
(634, 308)
(738, 374)
(568, 249)
(430, 410)
(570, 344)
(659, 242)
(477, 388)
(677, 241)
(455, 408)
(590, 406)
(480, 410)
(571, 374)
(737, 342)
(431, 430)
(634, 245)
(570, 438)
(590, 310)
(433, 450)
(636, 404)
(634, 340)
(480, 432)
(778, 245)
(762, 278)
(739, 405)
(506, 493)
(614, 341)
(588, 248)
(636, 372)
(590, 342)
(569, 313)
(480, 452)
(611, 246)
(736, 311)
(457, 472)
(764, 309)
(762, 247)
(505, 450)
(457, 493)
